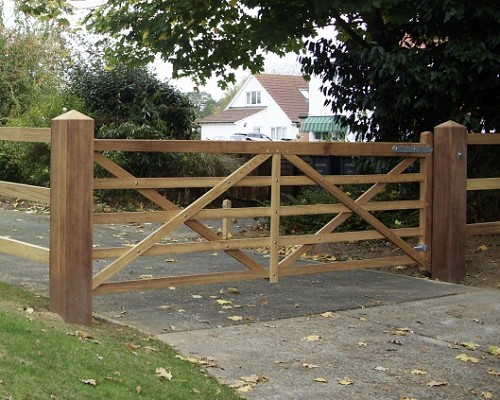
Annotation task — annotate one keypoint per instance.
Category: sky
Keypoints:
(273, 63)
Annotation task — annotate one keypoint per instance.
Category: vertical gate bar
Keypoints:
(449, 202)
(227, 228)
(71, 206)
(426, 165)
(275, 217)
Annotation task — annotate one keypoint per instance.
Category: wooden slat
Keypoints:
(483, 184)
(253, 243)
(34, 135)
(426, 193)
(225, 277)
(24, 250)
(253, 212)
(249, 181)
(25, 192)
(180, 218)
(178, 281)
(248, 147)
(480, 138)
(274, 228)
(483, 228)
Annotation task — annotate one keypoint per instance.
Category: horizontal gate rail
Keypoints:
(483, 228)
(24, 250)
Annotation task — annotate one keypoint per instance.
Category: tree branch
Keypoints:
(348, 29)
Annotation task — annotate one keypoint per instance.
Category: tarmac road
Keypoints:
(363, 335)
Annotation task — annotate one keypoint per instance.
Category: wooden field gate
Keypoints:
(437, 164)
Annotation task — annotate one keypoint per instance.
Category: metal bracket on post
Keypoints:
(421, 247)
(412, 149)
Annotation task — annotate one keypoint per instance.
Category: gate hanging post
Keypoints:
(71, 207)
(449, 202)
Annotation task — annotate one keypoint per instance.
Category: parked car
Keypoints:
(250, 136)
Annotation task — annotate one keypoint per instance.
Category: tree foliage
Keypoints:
(393, 67)
(132, 95)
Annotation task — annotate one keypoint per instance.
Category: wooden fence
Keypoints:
(437, 164)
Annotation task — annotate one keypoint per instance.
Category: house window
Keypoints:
(278, 132)
(253, 98)
(325, 136)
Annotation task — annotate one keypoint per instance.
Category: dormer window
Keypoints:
(253, 98)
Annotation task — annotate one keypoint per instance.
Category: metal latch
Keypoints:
(412, 149)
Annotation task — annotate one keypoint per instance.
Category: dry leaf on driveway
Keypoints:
(436, 383)
(466, 358)
(345, 381)
(312, 338)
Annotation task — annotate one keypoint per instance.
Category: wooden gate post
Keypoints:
(71, 207)
(449, 202)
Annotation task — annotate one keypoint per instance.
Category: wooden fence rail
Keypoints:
(437, 164)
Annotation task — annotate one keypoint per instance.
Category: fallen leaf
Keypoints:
(379, 368)
(163, 374)
(145, 276)
(138, 389)
(196, 296)
(29, 310)
(487, 395)
(235, 318)
(90, 382)
(494, 350)
(466, 358)
(243, 389)
(320, 380)
(310, 366)
(207, 362)
(436, 383)
(233, 290)
(482, 248)
(418, 372)
(149, 350)
(132, 346)
(328, 314)
(345, 381)
(312, 338)
(362, 344)
(170, 260)
(363, 319)
(222, 302)
(493, 371)
(470, 345)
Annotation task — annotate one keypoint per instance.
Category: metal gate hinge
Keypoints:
(412, 149)
(421, 247)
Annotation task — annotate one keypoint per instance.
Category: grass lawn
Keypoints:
(42, 357)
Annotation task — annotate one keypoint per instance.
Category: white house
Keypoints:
(321, 124)
(272, 105)
(278, 106)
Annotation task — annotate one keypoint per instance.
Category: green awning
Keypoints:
(325, 124)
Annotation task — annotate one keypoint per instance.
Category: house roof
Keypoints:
(286, 91)
(230, 115)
